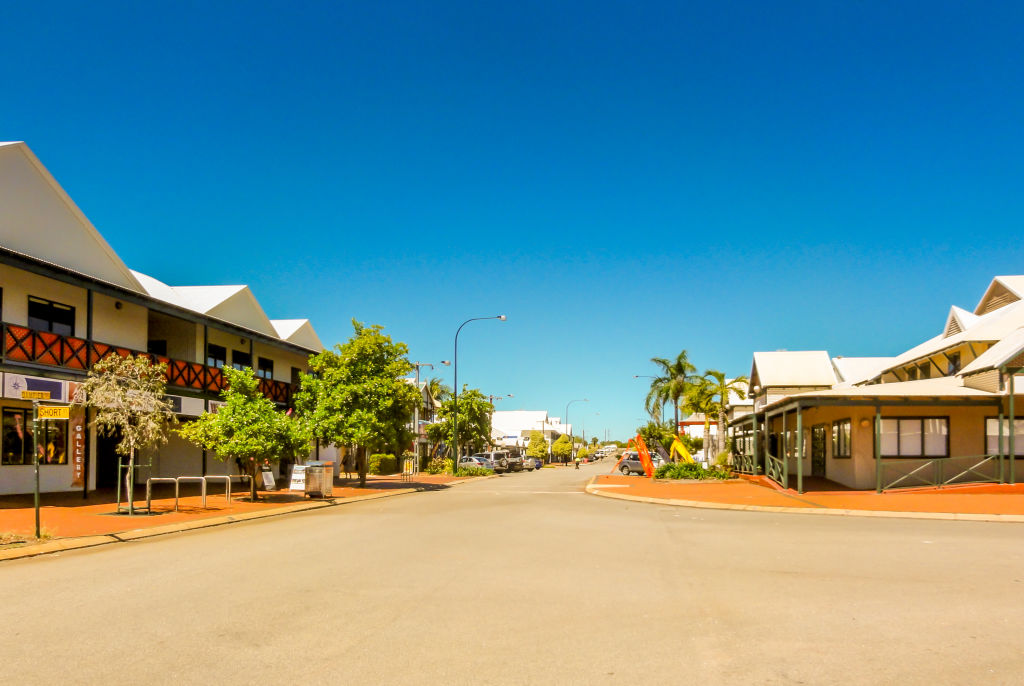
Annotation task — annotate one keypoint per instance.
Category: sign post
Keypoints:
(44, 412)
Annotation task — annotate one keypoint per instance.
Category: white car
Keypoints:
(479, 461)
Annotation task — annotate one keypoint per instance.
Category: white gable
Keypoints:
(297, 331)
(37, 218)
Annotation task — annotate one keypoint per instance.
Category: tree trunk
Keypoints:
(361, 452)
(130, 485)
(707, 440)
(722, 444)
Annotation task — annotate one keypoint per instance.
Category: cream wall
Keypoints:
(125, 327)
(179, 334)
(284, 360)
(19, 284)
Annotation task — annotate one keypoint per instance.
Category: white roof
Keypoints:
(999, 354)
(40, 220)
(1002, 290)
(297, 331)
(939, 387)
(792, 368)
(852, 370)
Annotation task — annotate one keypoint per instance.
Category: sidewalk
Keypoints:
(68, 516)
(986, 502)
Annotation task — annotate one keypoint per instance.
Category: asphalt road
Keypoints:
(524, 579)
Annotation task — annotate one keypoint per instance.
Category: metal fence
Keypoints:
(940, 471)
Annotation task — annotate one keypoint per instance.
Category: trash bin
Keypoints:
(315, 480)
(324, 479)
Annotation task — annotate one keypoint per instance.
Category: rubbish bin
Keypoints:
(315, 481)
(325, 479)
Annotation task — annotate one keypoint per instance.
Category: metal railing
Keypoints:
(744, 463)
(775, 470)
(940, 471)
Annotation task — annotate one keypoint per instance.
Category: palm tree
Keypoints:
(438, 390)
(700, 398)
(671, 384)
(722, 387)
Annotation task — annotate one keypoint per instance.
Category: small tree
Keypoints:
(537, 447)
(248, 427)
(582, 454)
(474, 421)
(562, 448)
(127, 394)
(593, 440)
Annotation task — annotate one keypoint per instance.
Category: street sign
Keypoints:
(35, 395)
(54, 412)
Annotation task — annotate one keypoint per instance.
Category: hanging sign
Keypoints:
(298, 482)
(77, 430)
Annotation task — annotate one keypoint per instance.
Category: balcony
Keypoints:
(22, 344)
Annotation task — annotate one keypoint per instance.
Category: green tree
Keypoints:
(593, 440)
(561, 449)
(582, 454)
(248, 427)
(127, 394)
(721, 388)
(700, 399)
(671, 384)
(356, 394)
(537, 447)
(438, 389)
(474, 421)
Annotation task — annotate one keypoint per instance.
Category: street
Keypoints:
(524, 579)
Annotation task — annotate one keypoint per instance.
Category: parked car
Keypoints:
(631, 464)
(480, 461)
(503, 461)
(533, 463)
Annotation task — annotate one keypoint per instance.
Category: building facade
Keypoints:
(67, 300)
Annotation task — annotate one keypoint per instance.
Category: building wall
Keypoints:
(179, 334)
(283, 359)
(127, 326)
(19, 284)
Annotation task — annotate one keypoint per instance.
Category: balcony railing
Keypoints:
(22, 344)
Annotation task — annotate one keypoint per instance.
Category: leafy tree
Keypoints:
(655, 433)
(561, 449)
(357, 395)
(721, 387)
(248, 427)
(671, 384)
(538, 447)
(582, 454)
(474, 421)
(593, 440)
(127, 394)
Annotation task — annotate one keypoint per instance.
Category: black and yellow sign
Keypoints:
(54, 412)
(35, 395)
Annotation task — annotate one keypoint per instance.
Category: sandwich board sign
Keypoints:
(298, 482)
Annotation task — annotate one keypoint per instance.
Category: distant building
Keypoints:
(511, 429)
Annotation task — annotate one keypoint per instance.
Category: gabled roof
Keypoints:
(853, 370)
(1001, 292)
(792, 368)
(938, 387)
(297, 331)
(40, 220)
(232, 303)
(1001, 353)
(958, 320)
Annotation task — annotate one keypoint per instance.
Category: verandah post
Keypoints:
(753, 466)
(878, 449)
(1013, 433)
(785, 452)
(799, 450)
(1002, 474)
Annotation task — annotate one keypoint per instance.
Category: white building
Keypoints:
(67, 300)
(512, 428)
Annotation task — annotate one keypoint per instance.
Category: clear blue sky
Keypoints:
(622, 180)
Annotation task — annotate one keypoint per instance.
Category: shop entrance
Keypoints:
(818, 450)
(106, 459)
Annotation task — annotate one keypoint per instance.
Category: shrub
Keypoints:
(382, 464)
(723, 459)
(439, 465)
(473, 471)
(685, 470)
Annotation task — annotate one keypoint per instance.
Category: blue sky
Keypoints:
(622, 180)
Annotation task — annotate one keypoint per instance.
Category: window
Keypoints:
(17, 438)
(240, 359)
(264, 368)
(53, 443)
(157, 348)
(915, 437)
(216, 355)
(841, 433)
(45, 315)
(925, 371)
(992, 436)
(954, 364)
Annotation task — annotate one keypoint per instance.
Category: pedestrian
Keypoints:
(349, 463)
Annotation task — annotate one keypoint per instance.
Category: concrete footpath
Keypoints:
(971, 502)
(69, 522)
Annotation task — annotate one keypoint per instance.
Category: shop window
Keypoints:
(46, 315)
(241, 359)
(17, 438)
(841, 434)
(992, 436)
(53, 442)
(264, 368)
(915, 437)
(216, 355)
(157, 347)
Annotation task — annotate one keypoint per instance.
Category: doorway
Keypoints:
(106, 459)
(818, 433)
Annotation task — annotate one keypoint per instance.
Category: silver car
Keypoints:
(480, 461)
(631, 464)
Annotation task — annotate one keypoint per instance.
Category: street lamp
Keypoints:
(571, 442)
(455, 406)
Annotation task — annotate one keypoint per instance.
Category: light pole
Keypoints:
(647, 376)
(571, 442)
(455, 397)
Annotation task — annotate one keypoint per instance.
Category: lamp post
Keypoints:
(572, 445)
(455, 397)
